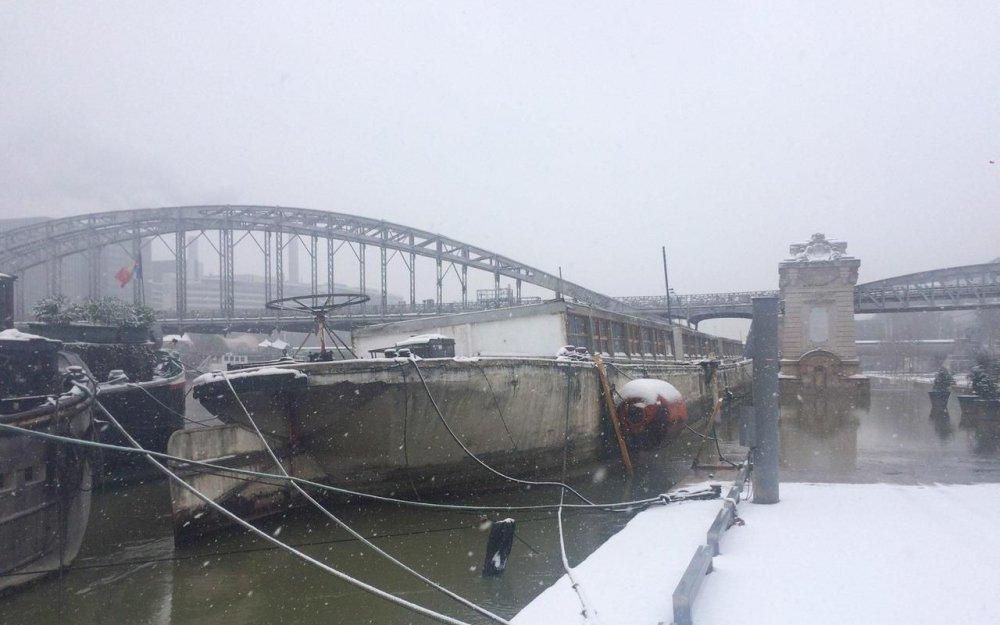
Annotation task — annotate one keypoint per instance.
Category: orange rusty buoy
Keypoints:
(650, 411)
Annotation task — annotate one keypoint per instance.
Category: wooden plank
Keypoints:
(609, 404)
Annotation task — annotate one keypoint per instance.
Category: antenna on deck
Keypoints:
(318, 305)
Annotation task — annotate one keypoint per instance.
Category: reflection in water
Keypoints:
(897, 438)
(819, 436)
(942, 424)
(985, 436)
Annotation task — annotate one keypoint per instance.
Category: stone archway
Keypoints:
(821, 370)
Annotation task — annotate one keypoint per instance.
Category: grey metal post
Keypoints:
(440, 277)
(362, 287)
(383, 300)
(413, 278)
(180, 271)
(227, 271)
(765, 399)
(279, 265)
(314, 264)
(465, 280)
(222, 272)
(666, 284)
(138, 294)
(53, 269)
(19, 303)
(268, 267)
(331, 252)
(94, 271)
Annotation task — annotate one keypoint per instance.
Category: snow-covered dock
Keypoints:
(827, 554)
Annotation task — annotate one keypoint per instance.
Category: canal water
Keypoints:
(130, 572)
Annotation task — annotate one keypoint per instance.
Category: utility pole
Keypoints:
(666, 283)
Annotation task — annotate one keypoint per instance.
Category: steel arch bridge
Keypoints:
(271, 228)
(699, 307)
(953, 288)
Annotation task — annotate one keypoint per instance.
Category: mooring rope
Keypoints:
(586, 610)
(349, 529)
(268, 537)
(472, 455)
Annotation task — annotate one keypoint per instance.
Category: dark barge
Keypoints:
(149, 409)
(142, 386)
(45, 487)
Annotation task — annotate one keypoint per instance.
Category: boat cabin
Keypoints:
(542, 331)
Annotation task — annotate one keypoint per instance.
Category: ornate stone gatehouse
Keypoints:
(817, 335)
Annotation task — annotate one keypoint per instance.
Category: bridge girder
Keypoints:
(983, 274)
(29, 246)
(952, 288)
(699, 307)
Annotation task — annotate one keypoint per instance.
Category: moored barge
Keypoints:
(45, 487)
(142, 386)
(373, 425)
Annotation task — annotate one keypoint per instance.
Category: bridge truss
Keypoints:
(954, 288)
(271, 229)
(699, 307)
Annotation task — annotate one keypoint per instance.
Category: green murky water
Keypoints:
(130, 572)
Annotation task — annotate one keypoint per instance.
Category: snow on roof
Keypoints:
(649, 391)
(420, 339)
(179, 338)
(13, 334)
(264, 343)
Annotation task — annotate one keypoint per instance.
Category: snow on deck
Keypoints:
(630, 578)
(827, 554)
(12, 334)
(860, 553)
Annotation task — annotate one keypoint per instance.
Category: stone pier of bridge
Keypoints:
(818, 332)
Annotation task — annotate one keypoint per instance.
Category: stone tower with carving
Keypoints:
(817, 337)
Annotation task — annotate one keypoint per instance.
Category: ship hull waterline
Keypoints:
(369, 425)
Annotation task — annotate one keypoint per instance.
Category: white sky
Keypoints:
(572, 134)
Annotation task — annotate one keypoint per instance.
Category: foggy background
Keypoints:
(559, 134)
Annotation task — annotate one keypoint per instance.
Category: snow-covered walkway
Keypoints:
(630, 578)
(827, 554)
